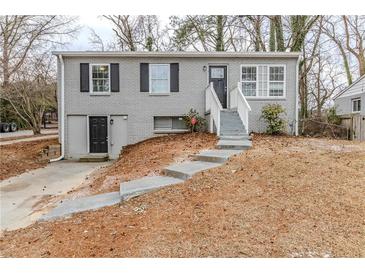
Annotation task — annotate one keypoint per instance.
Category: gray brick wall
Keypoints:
(141, 106)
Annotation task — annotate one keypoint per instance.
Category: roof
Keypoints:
(177, 54)
(350, 86)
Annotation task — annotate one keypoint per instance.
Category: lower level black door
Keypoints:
(98, 131)
(218, 75)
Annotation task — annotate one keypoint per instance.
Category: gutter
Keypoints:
(62, 105)
(297, 97)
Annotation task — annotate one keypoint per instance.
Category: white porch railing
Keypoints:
(238, 101)
(214, 106)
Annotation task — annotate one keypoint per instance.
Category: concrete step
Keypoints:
(216, 155)
(235, 137)
(97, 157)
(234, 144)
(69, 207)
(146, 184)
(232, 132)
(186, 170)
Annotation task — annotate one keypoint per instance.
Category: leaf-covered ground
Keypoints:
(285, 197)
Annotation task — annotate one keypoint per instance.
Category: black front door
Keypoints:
(218, 75)
(98, 129)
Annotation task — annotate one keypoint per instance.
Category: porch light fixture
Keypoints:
(111, 121)
(204, 68)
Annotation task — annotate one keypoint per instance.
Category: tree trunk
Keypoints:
(219, 40)
(272, 35)
(279, 33)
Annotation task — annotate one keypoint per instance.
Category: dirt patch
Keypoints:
(146, 158)
(285, 197)
(22, 157)
(24, 137)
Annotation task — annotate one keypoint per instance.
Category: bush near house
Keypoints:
(271, 113)
(194, 122)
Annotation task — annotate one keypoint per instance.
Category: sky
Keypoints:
(101, 26)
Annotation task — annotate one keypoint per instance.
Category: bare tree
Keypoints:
(355, 36)
(23, 35)
(32, 91)
(134, 33)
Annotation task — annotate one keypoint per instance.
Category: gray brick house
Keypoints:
(110, 99)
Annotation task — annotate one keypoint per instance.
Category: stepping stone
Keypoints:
(234, 144)
(146, 184)
(187, 169)
(69, 207)
(216, 155)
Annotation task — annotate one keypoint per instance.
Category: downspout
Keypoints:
(62, 106)
(297, 97)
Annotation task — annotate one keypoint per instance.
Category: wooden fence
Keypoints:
(356, 125)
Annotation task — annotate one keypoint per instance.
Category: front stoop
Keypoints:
(186, 170)
(137, 187)
(69, 207)
(234, 144)
(97, 157)
(216, 155)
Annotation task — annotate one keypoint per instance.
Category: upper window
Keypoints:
(249, 80)
(159, 78)
(276, 81)
(356, 105)
(263, 81)
(100, 78)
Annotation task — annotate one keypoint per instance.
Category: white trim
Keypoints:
(92, 92)
(361, 92)
(179, 54)
(297, 97)
(62, 111)
(88, 132)
(227, 75)
(268, 80)
(150, 80)
(352, 105)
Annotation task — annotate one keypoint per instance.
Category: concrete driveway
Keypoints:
(20, 195)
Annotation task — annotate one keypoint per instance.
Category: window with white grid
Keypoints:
(276, 81)
(249, 80)
(263, 81)
(100, 78)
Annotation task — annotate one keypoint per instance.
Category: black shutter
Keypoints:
(144, 77)
(84, 77)
(174, 77)
(114, 75)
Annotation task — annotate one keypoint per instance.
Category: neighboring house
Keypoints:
(350, 105)
(352, 99)
(111, 99)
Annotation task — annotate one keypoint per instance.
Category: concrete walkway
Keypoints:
(35, 138)
(19, 195)
(175, 174)
(26, 133)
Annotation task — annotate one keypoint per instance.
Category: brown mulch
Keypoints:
(285, 197)
(21, 157)
(145, 159)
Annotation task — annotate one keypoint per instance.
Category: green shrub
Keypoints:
(332, 116)
(271, 113)
(194, 121)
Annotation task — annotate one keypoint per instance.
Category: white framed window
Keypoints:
(159, 78)
(356, 105)
(263, 80)
(276, 81)
(100, 78)
(249, 80)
